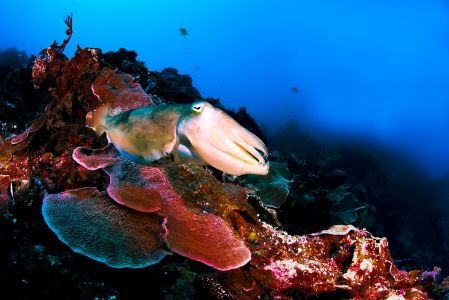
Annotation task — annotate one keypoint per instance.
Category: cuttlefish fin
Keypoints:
(97, 119)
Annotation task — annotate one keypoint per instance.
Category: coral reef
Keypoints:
(188, 231)
(394, 198)
(124, 214)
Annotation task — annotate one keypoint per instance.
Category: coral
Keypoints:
(347, 207)
(190, 232)
(91, 224)
(119, 91)
(17, 167)
(51, 55)
(204, 237)
(321, 196)
(5, 191)
(35, 126)
(125, 61)
(175, 88)
(342, 258)
(93, 159)
(125, 186)
(272, 189)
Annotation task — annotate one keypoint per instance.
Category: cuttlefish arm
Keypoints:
(221, 142)
(170, 134)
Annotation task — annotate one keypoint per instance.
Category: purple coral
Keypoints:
(89, 223)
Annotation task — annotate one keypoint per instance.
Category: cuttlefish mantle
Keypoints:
(179, 133)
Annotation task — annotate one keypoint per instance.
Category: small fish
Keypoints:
(294, 90)
(183, 31)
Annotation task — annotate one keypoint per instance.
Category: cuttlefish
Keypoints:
(172, 134)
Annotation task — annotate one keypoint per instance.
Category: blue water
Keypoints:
(370, 69)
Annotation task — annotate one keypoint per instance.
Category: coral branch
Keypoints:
(69, 32)
(35, 126)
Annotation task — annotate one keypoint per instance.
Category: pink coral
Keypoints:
(119, 91)
(190, 232)
(342, 258)
(203, 236)
(35, 126)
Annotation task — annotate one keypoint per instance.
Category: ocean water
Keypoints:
(376, 70)
(366, 80)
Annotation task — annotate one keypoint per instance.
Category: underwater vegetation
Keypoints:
(176, 227)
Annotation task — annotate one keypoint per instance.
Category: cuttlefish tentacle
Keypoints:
(235, 136)
(253, 140)
(221, 142)
(170, 134)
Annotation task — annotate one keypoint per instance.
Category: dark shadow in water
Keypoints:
(412, 209)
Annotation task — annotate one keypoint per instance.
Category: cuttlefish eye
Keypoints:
(197, 107)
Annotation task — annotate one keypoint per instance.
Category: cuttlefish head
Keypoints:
(218, 140)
